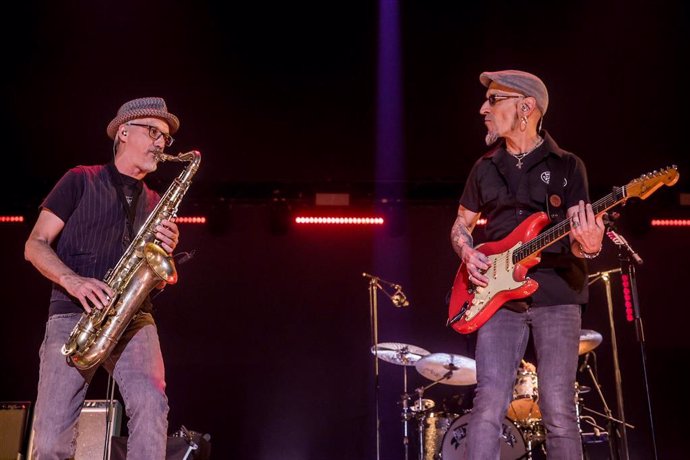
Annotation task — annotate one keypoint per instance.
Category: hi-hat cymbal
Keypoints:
(589, 340)
(399, 353)
(448, 369)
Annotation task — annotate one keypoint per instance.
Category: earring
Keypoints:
(523, 123)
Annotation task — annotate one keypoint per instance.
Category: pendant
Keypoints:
(519, 163)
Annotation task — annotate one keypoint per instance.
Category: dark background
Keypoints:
(266, 337)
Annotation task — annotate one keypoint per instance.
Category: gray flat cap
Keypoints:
(522, 82)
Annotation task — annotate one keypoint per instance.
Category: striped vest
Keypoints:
(93, 238)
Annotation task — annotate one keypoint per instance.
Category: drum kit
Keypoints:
(441, 433)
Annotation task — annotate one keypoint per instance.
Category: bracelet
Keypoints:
(587, 255)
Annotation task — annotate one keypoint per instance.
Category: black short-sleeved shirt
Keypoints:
(62, 201)
(506, 195)
(64, 197)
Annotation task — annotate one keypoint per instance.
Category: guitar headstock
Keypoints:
(648, 183)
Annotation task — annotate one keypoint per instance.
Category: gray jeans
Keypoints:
(501, 344)
(136, 364)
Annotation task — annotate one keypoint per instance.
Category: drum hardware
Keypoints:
(620, 450)
(429, 440)
(608, 415)
(405, 355)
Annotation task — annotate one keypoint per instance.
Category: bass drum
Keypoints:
(454, 443)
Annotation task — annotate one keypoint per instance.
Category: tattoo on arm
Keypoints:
(460, 235)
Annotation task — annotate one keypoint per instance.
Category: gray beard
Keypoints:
(490, 138)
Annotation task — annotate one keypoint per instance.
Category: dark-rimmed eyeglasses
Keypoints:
(494, 98)
(155, 133)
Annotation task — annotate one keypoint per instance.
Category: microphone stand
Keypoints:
(620, 433)
(374, 285)
(628, 259)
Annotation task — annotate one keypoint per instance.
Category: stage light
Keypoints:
(11, 219)
(670, 222)
(339, 220)
(627, 297)
(190, 220)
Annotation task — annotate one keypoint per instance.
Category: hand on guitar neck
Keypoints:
(587, 230)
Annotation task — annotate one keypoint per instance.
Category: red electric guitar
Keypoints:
(471, 306)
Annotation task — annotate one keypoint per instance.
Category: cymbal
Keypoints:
(448, 369)
(589, 340)
(399, 353)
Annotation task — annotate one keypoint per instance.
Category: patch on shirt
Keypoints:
(546, 176)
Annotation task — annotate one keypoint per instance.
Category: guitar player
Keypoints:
(523, 173)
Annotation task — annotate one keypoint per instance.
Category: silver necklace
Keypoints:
(522, 155)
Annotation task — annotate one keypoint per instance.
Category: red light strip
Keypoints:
(670, 222)
(11, 219)
(190, 220)
(627, 297)
(340, 220)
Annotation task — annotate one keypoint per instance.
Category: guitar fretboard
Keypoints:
(561, 229)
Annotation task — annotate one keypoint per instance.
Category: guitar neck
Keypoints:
(561, 229)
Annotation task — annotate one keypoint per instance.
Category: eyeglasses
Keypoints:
(155, 133)
(494, 98)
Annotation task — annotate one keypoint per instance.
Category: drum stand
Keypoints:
(420, 405)
(608, 415)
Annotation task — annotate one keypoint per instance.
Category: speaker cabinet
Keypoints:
(92, 435)
(14, 419)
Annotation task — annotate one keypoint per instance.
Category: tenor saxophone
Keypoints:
(143, 266)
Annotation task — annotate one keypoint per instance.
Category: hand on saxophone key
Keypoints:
(89, 291)
(168, 234)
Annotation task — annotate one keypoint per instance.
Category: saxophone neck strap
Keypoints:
(129, 206)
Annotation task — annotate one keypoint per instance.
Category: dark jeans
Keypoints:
(136, 364)
(501, 345)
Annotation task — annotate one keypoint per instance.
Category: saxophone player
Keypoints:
(85, 224)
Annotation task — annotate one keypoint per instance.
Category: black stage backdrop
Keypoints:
(267, 335)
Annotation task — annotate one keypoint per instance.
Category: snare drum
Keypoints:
(454, 442)
(523, 408)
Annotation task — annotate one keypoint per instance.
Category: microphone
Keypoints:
(399, 298)
(583, 366)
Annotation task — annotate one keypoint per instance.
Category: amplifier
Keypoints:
(92, 434)
(14, 420)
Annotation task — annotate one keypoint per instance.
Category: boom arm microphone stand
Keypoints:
(628, 259)
(399, 300)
